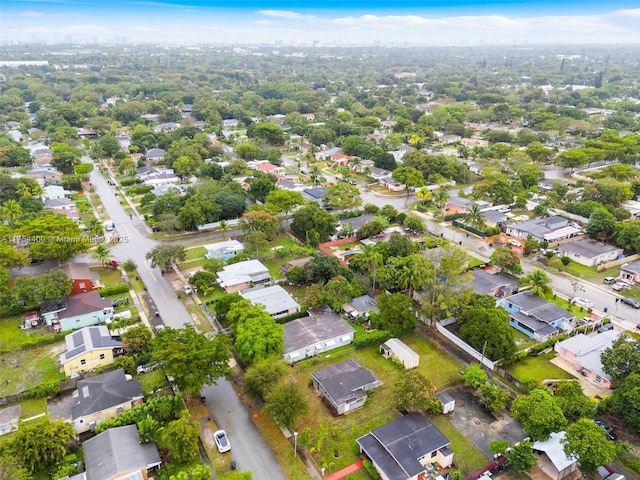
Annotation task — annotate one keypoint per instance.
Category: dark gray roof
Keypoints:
(484, 283)
(459, 202)
(588, 248)
(104, 391)
(534, 324)
(321, 325)
(538, 307)
(633, 267)
(444, 397)
(396, 446)
(118, 450)
(155, 153)
(357, 222)
(364, 303)
(345, 381)
(493, 216)
(314, 193)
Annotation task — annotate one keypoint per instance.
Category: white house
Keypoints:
(275, 299)
(398, 350)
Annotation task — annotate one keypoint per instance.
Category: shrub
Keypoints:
(127, 182)
(44, 389)
(370, 469)
(374, 338)
(140, 189)
(565, 261)
(114, 290)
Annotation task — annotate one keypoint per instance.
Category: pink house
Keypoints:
(271, 168)
(583, 353)
(340, 159)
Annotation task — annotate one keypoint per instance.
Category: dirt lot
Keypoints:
(474, 422)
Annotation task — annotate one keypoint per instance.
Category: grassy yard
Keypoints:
(578, 311)
(537, 369)
(32, 407)
(152, 381)
(440, 369)
(108, 275)
(24, 369)
(201, 321)
(522, 341)
(195, 253)
(468, 457)
(13, 338)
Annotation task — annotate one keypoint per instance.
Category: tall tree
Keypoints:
(506, 260)
(410, 177)
(587, 441)
(40, 445)
(473, 217)
(415, 392)
(343, 196)
(181, 436)
(102, 253)
(446, 273)
(313, 223)
(622, 358)
(165, 256)
(538, 281)
(257, 334)
(191, 358)
(573, 402)
(261, 221)
(538, 413)
(61, 237)
(521, 457)
(396, 314)
(488, 331)
(46, 287)
(285, 404)
(261, 377)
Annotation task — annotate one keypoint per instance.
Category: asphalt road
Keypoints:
(248, 447)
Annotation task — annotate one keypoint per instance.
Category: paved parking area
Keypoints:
(475, 423)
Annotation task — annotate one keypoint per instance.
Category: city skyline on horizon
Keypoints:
(455, 22)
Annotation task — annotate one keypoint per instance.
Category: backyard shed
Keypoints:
(396, 349)
(448, 402)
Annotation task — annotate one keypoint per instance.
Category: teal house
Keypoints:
(77, 311)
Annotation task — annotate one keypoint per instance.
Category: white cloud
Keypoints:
(628, 12)
(286, 15)
(31, 14)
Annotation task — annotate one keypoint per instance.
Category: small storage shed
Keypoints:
(448, 402)
(396, 349)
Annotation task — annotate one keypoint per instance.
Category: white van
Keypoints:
(109, 226)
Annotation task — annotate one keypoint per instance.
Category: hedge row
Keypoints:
(113, 290)
(374, 338)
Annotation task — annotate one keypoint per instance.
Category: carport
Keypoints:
(551, 457)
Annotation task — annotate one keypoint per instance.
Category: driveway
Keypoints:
(475, 423)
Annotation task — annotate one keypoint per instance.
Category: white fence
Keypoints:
(441, 327)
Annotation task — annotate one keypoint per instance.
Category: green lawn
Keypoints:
(152, 381)
(32, 407)
(522, 341)
(439, 368)
(24, 369)
(468, 457)
(201, 321)
(195, 253)
(13, 338)
(537, 369)
(108, 275)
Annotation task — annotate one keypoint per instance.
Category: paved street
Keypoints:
(249, 449)
(247, 446)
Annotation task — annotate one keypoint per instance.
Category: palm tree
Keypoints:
(23, 190)
(102, 253)
(374, 258)
(440, 197)
(315, 175)
(473, 217)
(11, 210)
(355, 163)
(538, 281)
(95, 227)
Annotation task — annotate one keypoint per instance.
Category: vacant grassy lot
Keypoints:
(537, 369)
(32, 407)
(339, 448)
(195, 253)
(108, 275)
(24, 369)
(13, 338)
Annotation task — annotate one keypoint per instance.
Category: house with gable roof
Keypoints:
(102, 397)
(89, 348)
(344, 385)
(406, 448)
(118, 453)
(536, 317)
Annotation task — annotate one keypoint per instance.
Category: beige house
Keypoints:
(102, 397)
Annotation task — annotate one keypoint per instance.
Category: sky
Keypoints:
(330, 22)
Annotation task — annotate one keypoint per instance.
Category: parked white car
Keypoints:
(582, 302)
(515, 243)
(620, 286)
(222, 441)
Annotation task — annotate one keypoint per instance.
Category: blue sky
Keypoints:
(330, 22)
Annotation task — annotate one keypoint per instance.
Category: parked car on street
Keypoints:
(582, 302)
(222, 441)
(631, 302)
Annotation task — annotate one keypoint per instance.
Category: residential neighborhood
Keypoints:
(308, 263)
